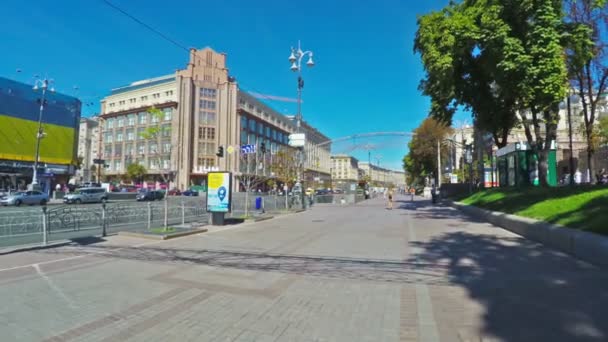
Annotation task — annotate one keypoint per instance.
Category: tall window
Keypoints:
(118, 150)
(206, 104)
(166, 131)
(140, 133)
(207, 118)
(143, 118)
(129, 149)
(252, 125)
(119, 136)
(108, 137)
(167, 112)
(130, 134)
(206, 133)
(166, 147)
(166, 163)
(118, 165)
(120, 122)
(107, 151)
(154, 119)
(130, 119)
(141, 148)
(110, 123)
(153, 148)
(243, 123)
(206, 92)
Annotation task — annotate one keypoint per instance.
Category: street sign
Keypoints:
(219, 194)
(248, 149)
(297, 140)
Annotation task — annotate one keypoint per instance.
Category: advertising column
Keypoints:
(219, 195)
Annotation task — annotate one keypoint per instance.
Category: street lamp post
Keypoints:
(296, 66)
(295, 58)
(44, 85)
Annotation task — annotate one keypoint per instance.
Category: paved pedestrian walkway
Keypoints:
(335, 273)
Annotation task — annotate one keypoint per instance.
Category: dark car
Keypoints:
(190, 193)
(150, 195)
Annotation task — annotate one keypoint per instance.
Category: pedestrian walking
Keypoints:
(412, 193)
(390, 199)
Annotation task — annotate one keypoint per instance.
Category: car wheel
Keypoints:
(78, 201)
(17, 203)
(42, 202)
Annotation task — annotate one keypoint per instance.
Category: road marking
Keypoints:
(54, 287)
(427, 326)
(93, 253)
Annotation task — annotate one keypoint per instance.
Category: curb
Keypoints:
(163, 237)
(590, 247)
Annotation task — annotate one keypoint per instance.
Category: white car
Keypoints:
(25, 197)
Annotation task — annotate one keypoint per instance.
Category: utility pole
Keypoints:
(438, 163)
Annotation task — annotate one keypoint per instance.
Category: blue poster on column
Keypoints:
(219, 194)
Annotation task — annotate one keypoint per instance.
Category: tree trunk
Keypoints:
(543, 155)
(590, 162)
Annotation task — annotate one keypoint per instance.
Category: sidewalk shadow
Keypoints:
(529, 293)
(426, 210)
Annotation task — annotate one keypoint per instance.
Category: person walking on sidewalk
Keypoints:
(390, 199)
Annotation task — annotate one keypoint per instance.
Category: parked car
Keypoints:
(190, 193)
(90, 185)
(86, 195)
(149, 195)
(174, 192)
(24, 197)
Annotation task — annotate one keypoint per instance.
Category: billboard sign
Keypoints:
(297, 140)
(19, 111)
(247, 149)
(219, 194)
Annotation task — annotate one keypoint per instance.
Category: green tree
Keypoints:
(587, 23)
(135, 172)
(421, 160)
(497, 58)
(602, 128)
(152, 135)
(284, 166)
(460, 47)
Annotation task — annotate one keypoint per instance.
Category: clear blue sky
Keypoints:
(365, 79)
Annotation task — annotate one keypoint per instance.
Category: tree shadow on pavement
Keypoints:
(397, 271)
(425, 210)
(529, 293)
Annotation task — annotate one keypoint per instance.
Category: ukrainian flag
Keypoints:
(19, 110)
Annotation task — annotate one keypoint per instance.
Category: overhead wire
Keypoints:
(170, 40)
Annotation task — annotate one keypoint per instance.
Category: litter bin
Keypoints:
(258, 203)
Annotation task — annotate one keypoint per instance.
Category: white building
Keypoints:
(88, 144)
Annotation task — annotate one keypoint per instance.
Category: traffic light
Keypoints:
(263, 148)
(220, 151)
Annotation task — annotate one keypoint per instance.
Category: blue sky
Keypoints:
(365, 78)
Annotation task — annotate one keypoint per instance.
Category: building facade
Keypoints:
(344, 168)
(19, 121)
(88, 143)
(380, 176)
(317, 157)
(125, 122)
(204, 111)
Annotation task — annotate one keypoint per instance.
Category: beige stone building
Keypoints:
(381, 176)
(88, 143)
(203, 110)
(344, 168)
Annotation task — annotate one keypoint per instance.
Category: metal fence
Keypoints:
(55, 223)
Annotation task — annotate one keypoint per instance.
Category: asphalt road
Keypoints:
(335, 273)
